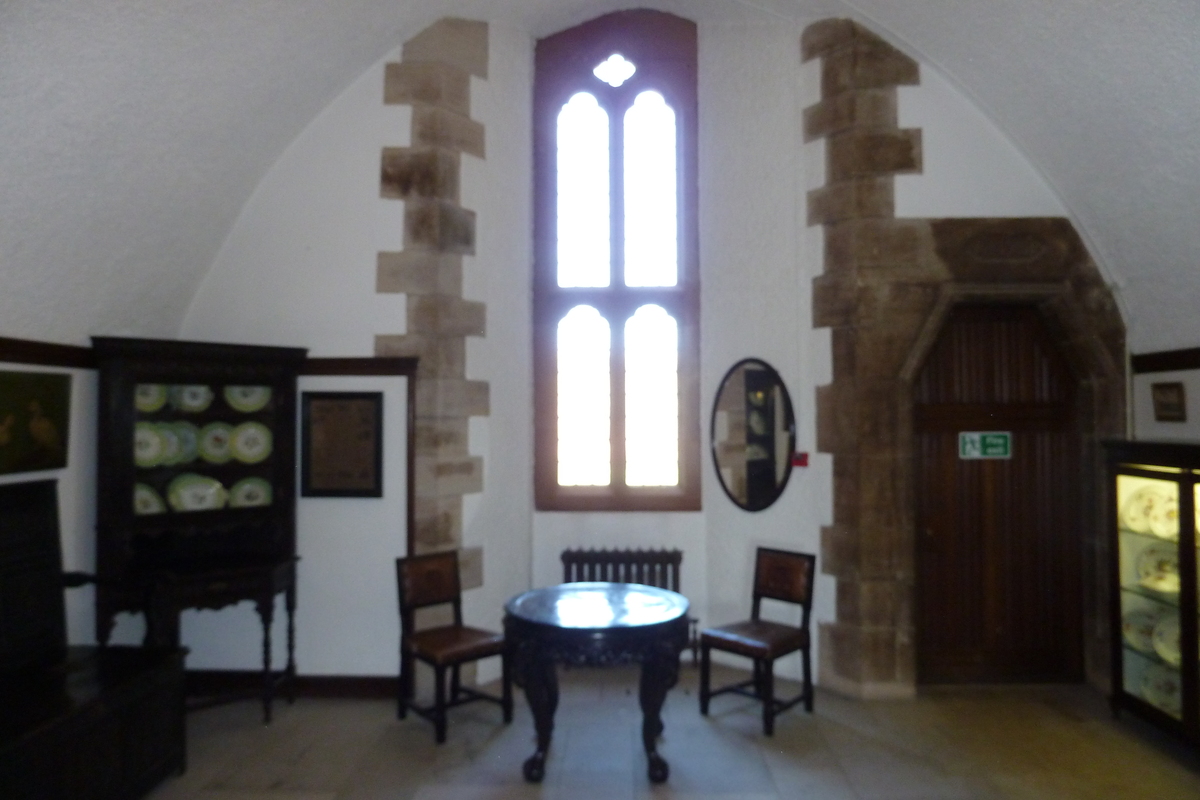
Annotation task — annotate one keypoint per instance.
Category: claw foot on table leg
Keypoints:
(659, 770)
(535, 767)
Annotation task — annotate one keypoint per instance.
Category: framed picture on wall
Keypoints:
(341, 444)
(34, 414)
(1170, 402)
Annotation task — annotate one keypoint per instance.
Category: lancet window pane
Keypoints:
(583, 194)
(651, 398)
(584, 402)
(651, 188)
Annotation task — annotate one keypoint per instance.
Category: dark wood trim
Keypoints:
(405, 366)
(202, 684)
(1165, 361)
(46, 354)
(360, 366)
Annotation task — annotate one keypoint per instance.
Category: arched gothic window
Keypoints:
(616, 283)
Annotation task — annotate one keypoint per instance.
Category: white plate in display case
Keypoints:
(148, 445)
(1161, 688)
(192, 398)
(149, 397)
(192, 492)
(1166, 640)
(172, 447)
(214, 442)
(251, 442)
(146, 501)
(247, 399)
(249, 493)
(1158, 568)
(1143, 506)
(1164, 519)
(1137, 628)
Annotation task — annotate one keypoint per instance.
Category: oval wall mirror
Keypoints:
(753, 434)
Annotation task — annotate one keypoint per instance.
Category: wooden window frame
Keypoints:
(663, 48)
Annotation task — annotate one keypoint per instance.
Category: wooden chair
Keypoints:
(779, 575)
(658, 568)
(430, 580)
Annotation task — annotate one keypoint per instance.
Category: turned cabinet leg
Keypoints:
(266, 611)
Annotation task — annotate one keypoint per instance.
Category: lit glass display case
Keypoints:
(1154, 498)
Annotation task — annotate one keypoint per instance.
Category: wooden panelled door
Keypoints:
(998, 548)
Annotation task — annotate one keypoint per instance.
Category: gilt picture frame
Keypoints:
(341, 444)
(35, 412)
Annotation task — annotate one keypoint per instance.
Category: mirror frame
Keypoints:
(791, 429)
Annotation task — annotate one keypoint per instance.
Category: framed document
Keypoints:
(1170, 402)
(341, 444)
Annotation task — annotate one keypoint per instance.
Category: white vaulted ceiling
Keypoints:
(133, 131)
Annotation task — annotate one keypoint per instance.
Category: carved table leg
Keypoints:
(660, 671)
(537, 675)
(266, 611)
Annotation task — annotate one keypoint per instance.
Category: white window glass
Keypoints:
(615, 70)
(651, 224)
(651, 398)
(583, 193)
(584, 452)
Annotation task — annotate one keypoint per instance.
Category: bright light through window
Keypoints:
(584, 394)
(583, 193)
(651, 226)
(651, 398)
(615, 70)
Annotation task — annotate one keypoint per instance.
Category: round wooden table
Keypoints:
(596, 624)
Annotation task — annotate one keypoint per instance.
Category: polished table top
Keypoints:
(598, 606)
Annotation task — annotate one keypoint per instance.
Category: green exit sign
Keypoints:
(985, 444)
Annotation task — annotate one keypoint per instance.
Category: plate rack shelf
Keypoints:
(1154, 496)
(196, 483)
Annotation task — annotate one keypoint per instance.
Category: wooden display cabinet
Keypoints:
(1153, 489)
(196, 484)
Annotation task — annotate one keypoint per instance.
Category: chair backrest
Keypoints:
(428, 580)
(784, 575)
(650, 567)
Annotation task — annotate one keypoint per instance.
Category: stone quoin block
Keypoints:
(461, 43)
(429, 83)
(439, 225)
(448, 477)
(450, 397)
(861, 198)
(418, 272)
(437, 127)
(438, 356)
(446, 315)
(868, 108)
(829, 34)
(470, 567)
(858, 153)
(438, 520)
(867, 63)
(418, 172)
(443, 437)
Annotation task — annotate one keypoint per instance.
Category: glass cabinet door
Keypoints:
(1149, 557)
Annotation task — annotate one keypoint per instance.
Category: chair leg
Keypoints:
(808, 687)
(439, 704)
(506, 695)
(455, 682)
(767, 693)
(405, 690)
(705, 657)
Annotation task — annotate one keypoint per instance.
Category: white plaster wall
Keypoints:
(298, 269)
(1144, 424)
(970, 168)
(76, 496)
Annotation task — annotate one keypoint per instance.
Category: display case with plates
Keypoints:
(196, 480)
(1155, 497)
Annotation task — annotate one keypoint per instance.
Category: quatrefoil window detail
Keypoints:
(615, 70)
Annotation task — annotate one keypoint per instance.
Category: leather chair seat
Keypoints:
(450, 645)
(756, 638)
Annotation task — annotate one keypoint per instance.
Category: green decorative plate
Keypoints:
(147, 501)
(192, 399)
(251, 442)
(149, 397)
(192, 492)
(189, 441)
(250, 492)
(148, 445)
(172, 447)
(247, 398)
(214, 442)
